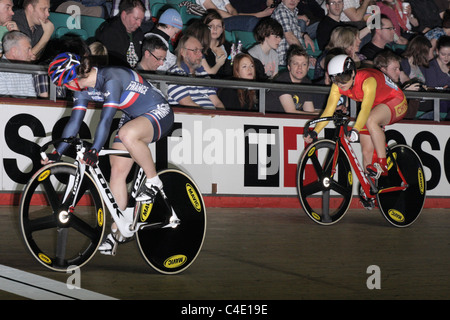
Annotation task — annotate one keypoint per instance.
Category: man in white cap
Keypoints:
(168, 26)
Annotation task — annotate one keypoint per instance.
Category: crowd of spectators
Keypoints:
(294, 39)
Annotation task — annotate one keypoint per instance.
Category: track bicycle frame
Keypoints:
(341, 140)
(126, 228)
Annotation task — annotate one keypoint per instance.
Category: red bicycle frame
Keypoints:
(366, 183)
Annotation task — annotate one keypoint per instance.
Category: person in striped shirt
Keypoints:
(189, 63)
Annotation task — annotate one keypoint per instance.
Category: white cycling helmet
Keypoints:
(340, 65)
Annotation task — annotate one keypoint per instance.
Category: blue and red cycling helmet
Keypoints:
(63, 69)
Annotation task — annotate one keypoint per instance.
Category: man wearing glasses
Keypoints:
(380, 38)
(154, 52)
(167, 29)
(189, 63)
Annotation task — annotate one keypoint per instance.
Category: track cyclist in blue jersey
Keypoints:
(147, 118)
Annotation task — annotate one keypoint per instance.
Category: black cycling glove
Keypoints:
(54, 156)
(312, 134)
(91, 157)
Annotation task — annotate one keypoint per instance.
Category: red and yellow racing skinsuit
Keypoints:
(371, 87)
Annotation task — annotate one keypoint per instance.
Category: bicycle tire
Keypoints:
(317, 190)
(402, 208)
(61, 245)
(173, 250)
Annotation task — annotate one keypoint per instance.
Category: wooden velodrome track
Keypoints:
(275, 254)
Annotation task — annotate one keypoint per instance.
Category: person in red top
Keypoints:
(382, 103)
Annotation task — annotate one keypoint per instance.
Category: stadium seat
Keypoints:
(60, 20)
(155, 7)
(65, 24)
(91, 24)
(247, 38)
(61, 31)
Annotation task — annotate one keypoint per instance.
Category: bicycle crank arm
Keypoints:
(156, 225)
(392, 189)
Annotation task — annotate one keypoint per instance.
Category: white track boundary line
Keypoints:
(36, 287)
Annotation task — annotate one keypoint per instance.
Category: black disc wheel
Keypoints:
(172, 250)
(402, 208)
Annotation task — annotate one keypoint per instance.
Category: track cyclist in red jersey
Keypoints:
(147, 118)
(382, 103)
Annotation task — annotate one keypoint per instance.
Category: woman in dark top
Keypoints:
(437, 74)
(241, 99)
(217, 59)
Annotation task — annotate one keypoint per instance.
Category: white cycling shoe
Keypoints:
(109, 246)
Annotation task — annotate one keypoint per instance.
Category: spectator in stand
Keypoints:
(6, 22)
(154, 52)
(402, 22)
(333, 20)
(202, 32)
(147, 23)
(286, 14)
(437, 74)
(347, 38)
(297, 70)
(122, 35)
(380, 38)
(310, 14)
(269, 34)
(355, 11)
(232, 19)
(417, 55)
(217, 59)
(427, 12)
(17, 49)
(189, 63)
(389, 63)
(167, 29)
(33, 21)
(99, 53)
(329, 22)
(434, 34)
(241, 99)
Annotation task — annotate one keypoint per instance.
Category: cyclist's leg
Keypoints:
(367, 148)
(137, 134)
(120, 168)
(390, 111)
(379, 116)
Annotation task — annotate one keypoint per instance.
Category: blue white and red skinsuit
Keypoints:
(119, 89)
